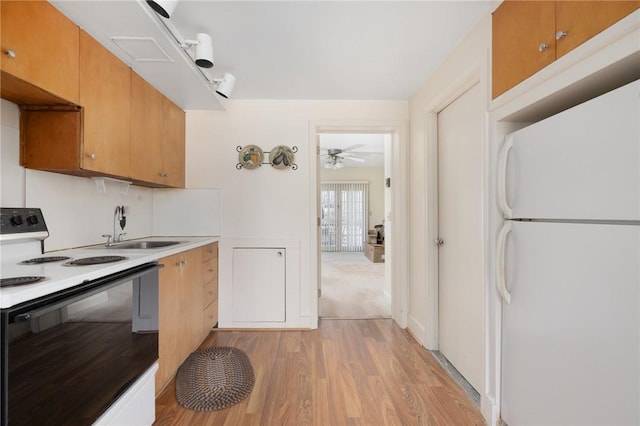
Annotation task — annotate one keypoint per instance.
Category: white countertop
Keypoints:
(60, 277)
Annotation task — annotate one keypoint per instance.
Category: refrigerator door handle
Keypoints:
(503, 157)
(501, 279)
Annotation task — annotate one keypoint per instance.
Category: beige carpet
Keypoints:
(352, 287)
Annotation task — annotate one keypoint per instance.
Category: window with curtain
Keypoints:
(344, 216)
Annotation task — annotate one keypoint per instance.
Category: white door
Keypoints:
(571, 332)
(258, 284)
(460, 159)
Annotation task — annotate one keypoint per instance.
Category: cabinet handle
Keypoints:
(92, 156)
(163, 175)
(10, 53)
(561, 34)
(542, 47)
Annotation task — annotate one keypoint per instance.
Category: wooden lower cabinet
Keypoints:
(183, 280)
(210, 288)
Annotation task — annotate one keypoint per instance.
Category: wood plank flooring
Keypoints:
(347, 372)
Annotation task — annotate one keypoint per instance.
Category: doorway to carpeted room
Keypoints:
(353, 287)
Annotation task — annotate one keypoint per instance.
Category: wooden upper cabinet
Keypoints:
(146, 131)
(157, 136)
(173, 144)
(105, 89)
(44, 65)
(519, 30)
(581, 20)
(529, 35)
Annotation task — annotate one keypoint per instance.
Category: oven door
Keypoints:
(68, 356)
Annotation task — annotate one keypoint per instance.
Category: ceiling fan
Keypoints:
(334, 156)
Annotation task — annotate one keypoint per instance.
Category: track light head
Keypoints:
(204, 51)
(224, 86)
(163, 8)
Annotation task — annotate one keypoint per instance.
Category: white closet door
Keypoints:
(259, 284)
(460, 226)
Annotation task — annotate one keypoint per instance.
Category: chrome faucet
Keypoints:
(116, 213)
(122, 219)
(118, 216)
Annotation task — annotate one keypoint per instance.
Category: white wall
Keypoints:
(375, 178)
(75, 212)
(467, 64)
(267, 204)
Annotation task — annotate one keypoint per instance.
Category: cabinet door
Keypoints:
(45, 44)
(519, 28)
(581, 20)
(258, 284)
(105, 88)
(169, 321)
(191, 301)
(146, 131)
(173, 140)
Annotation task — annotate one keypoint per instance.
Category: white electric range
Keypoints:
(27, 273)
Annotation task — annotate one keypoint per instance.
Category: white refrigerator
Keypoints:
(568, 266)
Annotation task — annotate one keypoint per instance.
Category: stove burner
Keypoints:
(9, 282)
(94, 260)
(38, 260)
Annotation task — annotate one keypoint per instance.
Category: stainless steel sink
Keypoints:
(145, 244)
(142, 244)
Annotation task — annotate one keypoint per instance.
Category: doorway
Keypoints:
(354, 280)
(460, 222)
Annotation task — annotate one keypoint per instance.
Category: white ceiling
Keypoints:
(339, 50)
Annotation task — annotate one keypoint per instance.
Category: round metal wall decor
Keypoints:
(251, 156)
(281, 157)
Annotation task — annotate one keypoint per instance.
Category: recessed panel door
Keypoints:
(259, 284)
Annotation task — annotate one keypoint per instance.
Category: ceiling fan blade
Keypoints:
(358, 159)
(352, 147)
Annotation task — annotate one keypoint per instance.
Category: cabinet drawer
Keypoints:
(209, 293)
(210, 317)
(209, 270)
(210, 251)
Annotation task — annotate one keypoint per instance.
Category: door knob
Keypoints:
(439, 242)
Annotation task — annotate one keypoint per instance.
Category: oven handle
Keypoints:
(88, 288)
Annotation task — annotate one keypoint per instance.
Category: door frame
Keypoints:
(476, 74)
(397, 245)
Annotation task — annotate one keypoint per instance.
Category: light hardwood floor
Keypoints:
(347, 372)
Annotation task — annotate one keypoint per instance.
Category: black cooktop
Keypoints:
(14, 281)
(46, 259)
(95, 260)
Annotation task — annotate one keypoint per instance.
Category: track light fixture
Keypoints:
(199, 51)
(163, 8)
(224, 85)
(202, 50)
